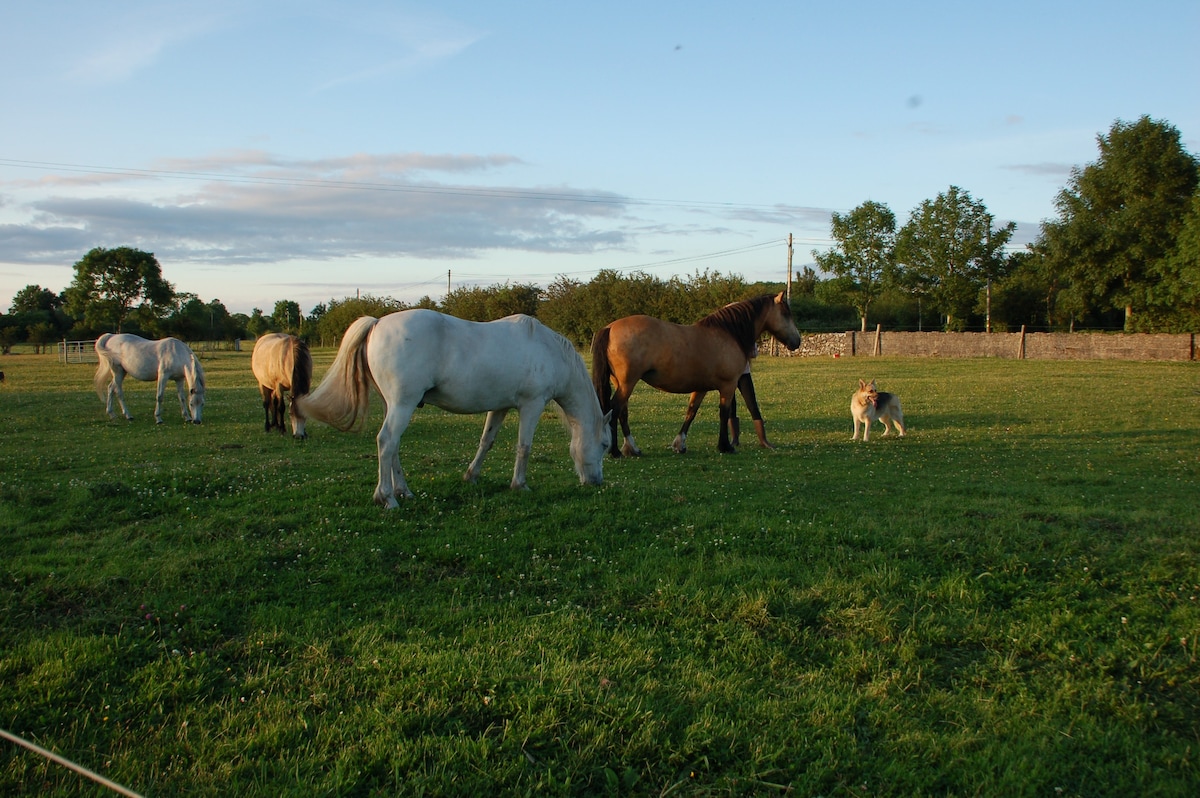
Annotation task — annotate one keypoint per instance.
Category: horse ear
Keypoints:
(780, 298)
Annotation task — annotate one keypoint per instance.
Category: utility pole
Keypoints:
(788, 292)
(447, 282)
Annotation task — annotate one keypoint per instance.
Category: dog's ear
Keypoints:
(862, 386)
(873, 388)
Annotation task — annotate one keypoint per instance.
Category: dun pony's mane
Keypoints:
(738, 319)
(301, 368)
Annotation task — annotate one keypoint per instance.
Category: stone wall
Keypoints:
(1032, 346)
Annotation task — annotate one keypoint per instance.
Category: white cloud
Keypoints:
(421, 54)
(131, 42)
(253, 207)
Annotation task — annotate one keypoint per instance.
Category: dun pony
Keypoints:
(282, 363)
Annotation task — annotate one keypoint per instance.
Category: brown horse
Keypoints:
(710, 355)
(282, 363)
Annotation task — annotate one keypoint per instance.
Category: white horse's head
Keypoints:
(195, 380)
(588, 447)
(298, 420)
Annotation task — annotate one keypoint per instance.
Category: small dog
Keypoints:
(868, 404)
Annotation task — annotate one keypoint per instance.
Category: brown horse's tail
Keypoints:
(342, 398)
(602, 369)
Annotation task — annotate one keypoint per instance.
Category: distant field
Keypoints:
(1006, 602)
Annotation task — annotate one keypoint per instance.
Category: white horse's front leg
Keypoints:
(391, 474)
(159, 392)
(529, 421)
(490, 428)
(181, 388)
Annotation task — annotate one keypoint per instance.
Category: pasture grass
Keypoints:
(1005, 602)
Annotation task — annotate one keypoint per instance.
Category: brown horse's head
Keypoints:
(780, 324)
(747, 320)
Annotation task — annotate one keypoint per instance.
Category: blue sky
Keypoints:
(312, 150)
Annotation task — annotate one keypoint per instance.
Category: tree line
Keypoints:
(1123, 252)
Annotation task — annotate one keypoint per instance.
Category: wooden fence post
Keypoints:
(878, 335)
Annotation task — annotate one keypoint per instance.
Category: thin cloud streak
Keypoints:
(135, 41)
(266, 209)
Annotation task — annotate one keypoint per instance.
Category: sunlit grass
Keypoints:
(1007, 601)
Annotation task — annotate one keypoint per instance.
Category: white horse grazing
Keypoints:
(417, 357)
(168, 359)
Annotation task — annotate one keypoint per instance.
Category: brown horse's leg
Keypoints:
(735, 424)
(621, 412)
(746, 386)
(694, 401)
(723, 444)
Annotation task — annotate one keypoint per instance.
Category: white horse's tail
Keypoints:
(104, 372)
(342, 399)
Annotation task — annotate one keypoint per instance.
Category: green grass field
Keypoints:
(1005, 602)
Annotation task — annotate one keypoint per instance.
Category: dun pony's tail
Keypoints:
(602, 370)
(342, 398)
(104, 370)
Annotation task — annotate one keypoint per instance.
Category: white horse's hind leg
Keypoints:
(490, 427)
(115, 389)
(529, 421)
(391, 474)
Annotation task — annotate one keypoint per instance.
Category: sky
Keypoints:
(304, 150)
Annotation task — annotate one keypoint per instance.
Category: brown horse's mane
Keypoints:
(739, 320)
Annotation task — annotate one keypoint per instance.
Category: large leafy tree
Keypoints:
(950, 251)
(33, 298)
(1176, 296)
(110, 284)
(1118, 218)
(864, 256)
(287, 316)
